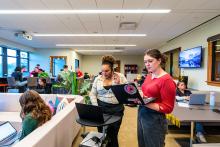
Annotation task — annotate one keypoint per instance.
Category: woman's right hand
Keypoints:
(186, 97)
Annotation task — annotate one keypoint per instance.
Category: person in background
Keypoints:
(63, 75)
(152, 123)
(86, 76)
(17, 74)
(38, 66)
(35, 72)
(34, 112)
(23, 69)
(183, 94)
(79, 73)
(43, 87)
(104, 97)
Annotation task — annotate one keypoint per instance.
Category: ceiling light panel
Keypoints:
(97, 45)
(99, 50)
(117, 11)
(90, 35)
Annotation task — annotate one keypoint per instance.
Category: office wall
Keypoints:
(15, 45)
(42, 57)
(92, 64)
(197, 37)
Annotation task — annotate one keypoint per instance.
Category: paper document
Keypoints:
(181, 104)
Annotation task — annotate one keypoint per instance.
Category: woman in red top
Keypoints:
(152, 124)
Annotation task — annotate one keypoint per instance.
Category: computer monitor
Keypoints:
(26, 74)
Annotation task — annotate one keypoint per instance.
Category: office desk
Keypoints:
(196, 114)
(4, 86)
(207, 145)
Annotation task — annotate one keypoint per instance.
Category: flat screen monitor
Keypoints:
(191, 58)
(26, 74)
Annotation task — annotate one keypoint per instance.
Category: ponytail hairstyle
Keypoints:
(108, 60)
(157, 55)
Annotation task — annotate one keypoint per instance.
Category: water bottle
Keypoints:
(212, 99)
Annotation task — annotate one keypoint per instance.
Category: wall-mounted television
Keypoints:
(191, 58)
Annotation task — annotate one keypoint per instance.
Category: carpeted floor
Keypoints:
(128, 133)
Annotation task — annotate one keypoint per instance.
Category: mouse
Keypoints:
(95, 139)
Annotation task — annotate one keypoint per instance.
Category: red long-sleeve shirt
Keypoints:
(163, 88)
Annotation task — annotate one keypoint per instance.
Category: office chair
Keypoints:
(32, 82)
(12, 87)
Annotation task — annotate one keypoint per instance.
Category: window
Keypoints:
(24, 60)
(216, 61)
(11, 65)
(10, 59)
(213, 76)
(56, 64)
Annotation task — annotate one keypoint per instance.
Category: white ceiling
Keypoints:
(159, 28)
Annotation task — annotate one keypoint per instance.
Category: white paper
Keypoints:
(181, 104)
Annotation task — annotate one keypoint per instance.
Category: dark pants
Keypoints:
(152, 128)
(199, 127)
(113, 129)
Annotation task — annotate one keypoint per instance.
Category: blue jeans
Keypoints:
(152, 128)
(199, 127)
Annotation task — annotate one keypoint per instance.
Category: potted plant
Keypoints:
(43, 75)
(84, 91)
(69, 84)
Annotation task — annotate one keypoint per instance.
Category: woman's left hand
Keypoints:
(116, 78)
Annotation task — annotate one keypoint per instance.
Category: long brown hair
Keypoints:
(32, 103)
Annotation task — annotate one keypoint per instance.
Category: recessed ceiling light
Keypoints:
(99, 50)
(89, 35)
(119, 11)
(217, 45)
(92, 45)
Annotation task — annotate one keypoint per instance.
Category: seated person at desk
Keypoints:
(38, 66)
(35, 72)
(43, 87)
(86, 76)
(23, 69)
(63, 75)
(183, 94)
(34, 112)
(17, 74)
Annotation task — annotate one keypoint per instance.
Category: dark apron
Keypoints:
(113, 129)
(152, 127)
